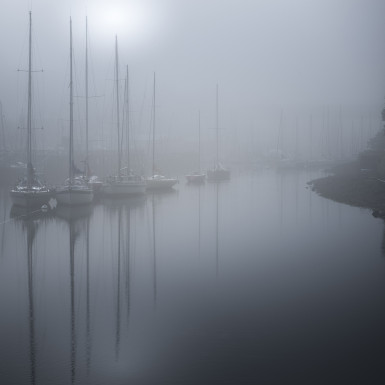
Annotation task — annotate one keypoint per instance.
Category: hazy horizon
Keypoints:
(301, 58)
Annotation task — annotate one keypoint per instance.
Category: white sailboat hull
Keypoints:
(93, 182)
(123, 188)
(160, 183)
(196, 178)
(30, 198)
(74, 196)
(96, 186)
(218, 174)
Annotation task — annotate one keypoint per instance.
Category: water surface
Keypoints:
(254, 280)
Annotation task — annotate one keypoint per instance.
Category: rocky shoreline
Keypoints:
(354, 187)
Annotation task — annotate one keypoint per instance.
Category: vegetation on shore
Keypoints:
(360, 182)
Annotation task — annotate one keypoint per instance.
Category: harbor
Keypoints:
(192, 192)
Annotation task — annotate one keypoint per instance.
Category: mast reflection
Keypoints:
(154, 250)
(88, 323)
(118, 207)
(30, 220)
(217, 229)
(117, 334)
(75, 217)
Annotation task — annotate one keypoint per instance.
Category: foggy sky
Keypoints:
(267, 56)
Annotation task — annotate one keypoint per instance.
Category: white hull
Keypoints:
(92, 182)
(124, 188)
(74, 196)
(30, 198)
(196, 178)
(160, 183)
(96, 186)
(218, 174)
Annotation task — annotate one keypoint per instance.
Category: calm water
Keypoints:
(254, 281)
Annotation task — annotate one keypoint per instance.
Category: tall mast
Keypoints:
(71, 155)
(199, 141)
(311, 136)
(217, 120)
(117, 102)
(296, 137)
(86, 97)
(29, 116)
(153, 132)
(279, 136)
(128, 120)
(2, 133)
(341, 149)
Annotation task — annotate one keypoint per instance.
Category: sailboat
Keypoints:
(75, 191)
(218, 172)
(197, 176)
(157, 181)
(30, 191)
(93, 181)
(122, 185)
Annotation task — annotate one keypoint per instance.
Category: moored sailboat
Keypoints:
(30, 191)
(75, 191)
(92, 181)
(129, 184)
(197, 176)
(157, 181)
(218, 172)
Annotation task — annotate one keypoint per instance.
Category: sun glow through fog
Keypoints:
(132, 21)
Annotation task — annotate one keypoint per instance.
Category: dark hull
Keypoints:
(30, 198)
(74, 197)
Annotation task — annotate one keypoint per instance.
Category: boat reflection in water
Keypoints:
(29, 219)
(77, 218)
(119, 211)
(113, 204)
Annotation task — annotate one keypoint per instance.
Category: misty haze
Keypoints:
(192, 192)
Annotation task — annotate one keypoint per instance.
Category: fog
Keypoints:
(261, 278)
(291, 74)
